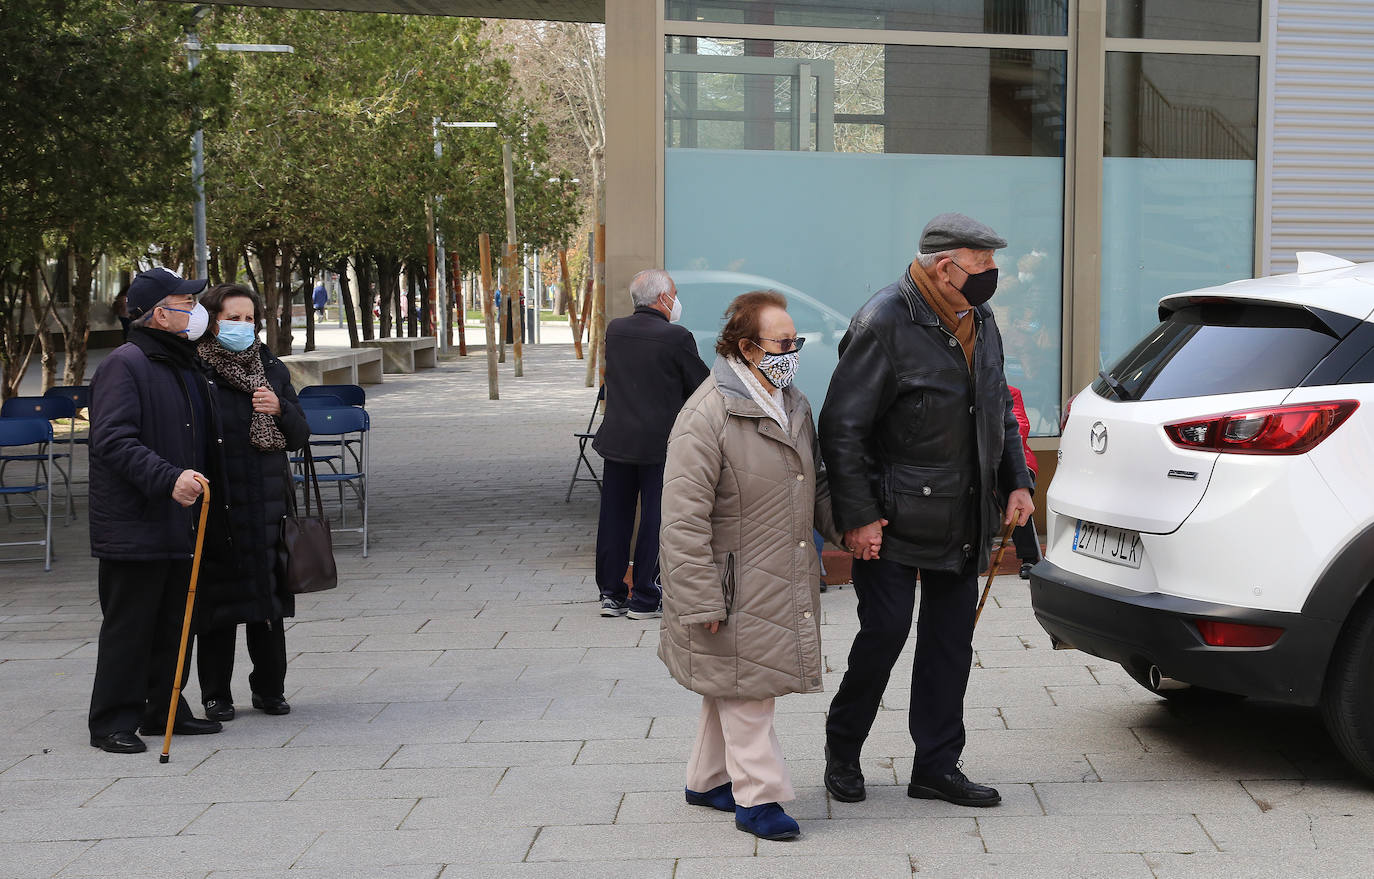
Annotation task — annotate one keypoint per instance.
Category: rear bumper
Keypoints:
(1142, 629)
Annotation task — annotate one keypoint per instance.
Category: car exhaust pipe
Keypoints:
(1157, 682)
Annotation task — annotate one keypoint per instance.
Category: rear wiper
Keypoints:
(1117, 387)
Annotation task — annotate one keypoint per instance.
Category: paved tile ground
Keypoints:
(461, 710)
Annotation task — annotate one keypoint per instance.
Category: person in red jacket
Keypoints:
(1026, 541)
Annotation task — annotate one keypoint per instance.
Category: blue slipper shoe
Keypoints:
(766, 821)
(717, 798)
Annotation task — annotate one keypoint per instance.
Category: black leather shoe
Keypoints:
(953, 788)
(271, 704)
(119, 743)
(191, 726)
(843, 779)
(219, 709)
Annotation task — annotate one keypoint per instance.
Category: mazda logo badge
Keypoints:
(1097, 438)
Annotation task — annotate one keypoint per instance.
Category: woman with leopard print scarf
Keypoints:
(261, 421)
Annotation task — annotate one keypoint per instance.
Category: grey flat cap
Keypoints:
(953, 231)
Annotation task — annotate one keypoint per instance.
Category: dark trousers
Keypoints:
(939, 673)
(623, 488)
(1026, 541)
(143, 603)
(266, 648)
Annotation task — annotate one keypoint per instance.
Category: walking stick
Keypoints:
(992, 571)
(186, 621)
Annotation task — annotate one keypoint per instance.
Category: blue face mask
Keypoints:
(236, 335)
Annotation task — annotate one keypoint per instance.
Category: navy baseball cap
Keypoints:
(151, 287)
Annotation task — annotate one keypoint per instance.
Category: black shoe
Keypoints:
(843, 779)
(219, 709)
(271, 704)
(190, 726)
(1025, 570)
(824, 585)
(953, 788)
(119, 743)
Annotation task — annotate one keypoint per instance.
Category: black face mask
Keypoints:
(978, 288)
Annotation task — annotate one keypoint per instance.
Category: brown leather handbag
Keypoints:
(305, 553)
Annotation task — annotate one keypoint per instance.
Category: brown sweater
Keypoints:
(962, 328)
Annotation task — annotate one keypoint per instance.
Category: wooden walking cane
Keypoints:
(186, 622)
(992, 571)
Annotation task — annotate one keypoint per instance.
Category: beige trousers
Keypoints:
(736, 743)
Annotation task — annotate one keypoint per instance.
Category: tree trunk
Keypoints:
(309, 311)
(346, 301)
(400, 301)
(413, 273)
(363, 264)
(270, 292)
(568, 296)
(455, 296)
(384, 285)
(228, 264)
(284, 336)
(78, 333)
(46, 359)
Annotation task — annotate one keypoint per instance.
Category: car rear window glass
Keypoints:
(1220, 348)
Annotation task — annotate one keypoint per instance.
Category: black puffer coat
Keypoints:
(238, 580)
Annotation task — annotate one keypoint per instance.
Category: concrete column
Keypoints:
(634, 199)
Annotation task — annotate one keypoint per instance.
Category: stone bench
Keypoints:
(406, 355)
(351, 366)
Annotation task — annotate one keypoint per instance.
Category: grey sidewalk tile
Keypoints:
(1181, 767)
(1266, 832)
(613, 707)
(458, 710)
(861, 837)
(237, 788)
(538, 780)
(1343, 832)
(371, 659)
(889, 800)
(1068, 719)
(94, 822)
(639, 841)
(522, 808)
(650, 750)
(1100, 834)
(357, 784)
(500, 754)
(798, 867)
(49, 793)
(431, 641)
(230, 762)
(361, 732)
(1146, 798)
(38, 860)
(409, 871)
(1057, 865)
(244, 821)
(625, 869)
(670, 807)
(1296, 865)
(469, 846)
(575, 729)
(185, 855)
(1348, 796)
(989, 766)
(78, 760)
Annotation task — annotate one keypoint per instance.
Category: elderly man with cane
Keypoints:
(919, 438)
(152, 431)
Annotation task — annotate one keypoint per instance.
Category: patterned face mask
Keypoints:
(779, 369)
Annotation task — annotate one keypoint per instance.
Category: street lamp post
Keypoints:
(193, 47)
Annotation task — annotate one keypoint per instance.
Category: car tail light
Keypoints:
(1274, 430)
(1223, 634)
(1064, 419)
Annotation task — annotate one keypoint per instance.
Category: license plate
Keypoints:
(1115, 545)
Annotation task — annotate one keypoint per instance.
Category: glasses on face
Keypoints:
(787, 345)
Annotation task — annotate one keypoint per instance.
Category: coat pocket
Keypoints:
(727, 584)
(924, 505)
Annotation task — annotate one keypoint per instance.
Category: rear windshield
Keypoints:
(1220, 348)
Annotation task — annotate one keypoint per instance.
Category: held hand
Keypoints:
(712, 627)
(265, 401)
(1019, 507)
(187, 488)
(865, 542)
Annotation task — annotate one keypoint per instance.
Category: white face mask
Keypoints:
(195, 324)
(675, 315)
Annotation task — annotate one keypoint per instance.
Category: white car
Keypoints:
(1211, 521)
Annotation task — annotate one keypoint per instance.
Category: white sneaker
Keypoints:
(654, 614)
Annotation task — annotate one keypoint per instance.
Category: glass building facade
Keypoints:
(807, 142)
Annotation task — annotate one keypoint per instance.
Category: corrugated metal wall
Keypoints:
(1322, 195)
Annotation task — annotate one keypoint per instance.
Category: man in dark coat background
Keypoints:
(652, 367)
(152, 427)
(919, 438)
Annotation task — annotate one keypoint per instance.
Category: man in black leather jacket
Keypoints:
(918, 437)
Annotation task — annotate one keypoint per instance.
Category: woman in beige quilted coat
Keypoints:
(742, 489)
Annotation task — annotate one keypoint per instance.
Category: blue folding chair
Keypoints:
(48, 409)
(36, 433)
(320, 401)
(350, 395)
(347, 424)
